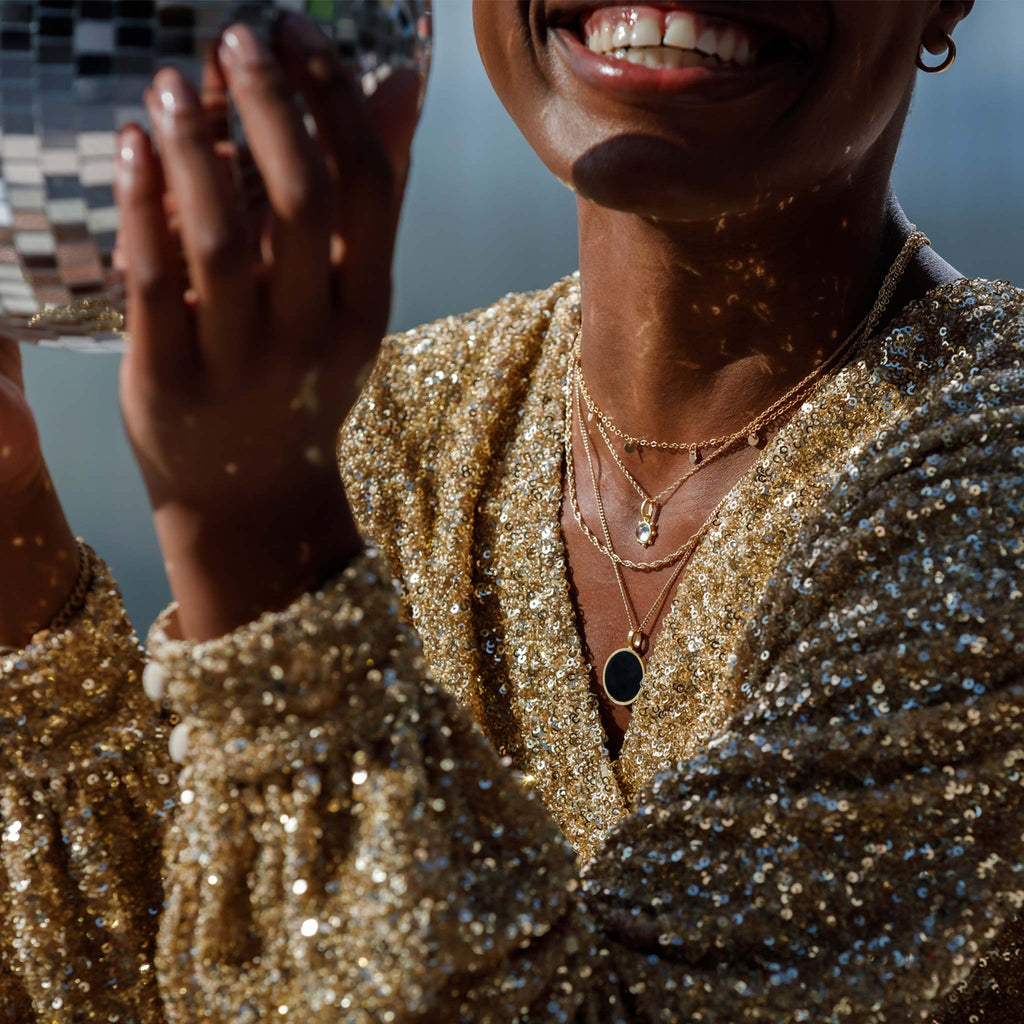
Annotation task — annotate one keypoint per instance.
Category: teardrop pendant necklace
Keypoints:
(646, 532)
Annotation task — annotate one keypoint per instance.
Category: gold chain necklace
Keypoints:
(915, 240)
(625, 668)
(752, 433)
(646, 531)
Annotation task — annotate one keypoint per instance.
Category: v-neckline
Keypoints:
(654, 669)
(656, 674)
(689, 692)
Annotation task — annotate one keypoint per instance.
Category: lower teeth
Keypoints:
(665, 57)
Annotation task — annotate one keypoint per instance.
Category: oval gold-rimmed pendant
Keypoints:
(623, 676)
(646, 531)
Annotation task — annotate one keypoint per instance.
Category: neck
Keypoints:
(691, 329)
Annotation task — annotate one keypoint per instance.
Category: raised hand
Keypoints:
(233, 393)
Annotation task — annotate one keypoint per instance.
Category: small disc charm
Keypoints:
(694, 455)
(753, 440)
(623, 676)
(629, 447)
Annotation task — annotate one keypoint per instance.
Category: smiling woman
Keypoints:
(677, 677)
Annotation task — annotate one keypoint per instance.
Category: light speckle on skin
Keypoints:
(313, 455)
(5, 452)
(307, 397)
(231, 468)
(17, 542)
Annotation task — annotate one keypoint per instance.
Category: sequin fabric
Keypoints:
(817, 814)
(85, 790)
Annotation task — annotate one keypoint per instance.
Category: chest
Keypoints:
(612, 602)
(517, 609)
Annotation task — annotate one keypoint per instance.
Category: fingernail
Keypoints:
(128, 143)
(128, 149)
(239, 45)
(173, 92)
(304, 33)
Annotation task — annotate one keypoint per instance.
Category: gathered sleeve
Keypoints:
(84, 790)
(844, 850)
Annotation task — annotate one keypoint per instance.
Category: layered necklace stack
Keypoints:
(623, 674)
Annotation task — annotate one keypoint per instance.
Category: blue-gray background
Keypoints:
(484, 217)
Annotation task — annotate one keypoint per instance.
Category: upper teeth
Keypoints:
(618, 28)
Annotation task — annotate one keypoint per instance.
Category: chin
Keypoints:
(692, 111)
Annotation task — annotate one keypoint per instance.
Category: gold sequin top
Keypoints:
(396, 803)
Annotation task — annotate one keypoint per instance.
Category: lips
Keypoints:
(701, 50)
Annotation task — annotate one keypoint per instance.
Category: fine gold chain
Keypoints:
(655, 499)
(914, 241)
(776, 410)
(650, 506)
(606, 548)
(637, 630)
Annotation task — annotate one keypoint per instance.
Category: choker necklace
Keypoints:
(625, 669)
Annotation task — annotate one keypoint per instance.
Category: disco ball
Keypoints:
(71, 73)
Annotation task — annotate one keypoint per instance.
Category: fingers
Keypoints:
(367, 175)
(294, 176)
(394, 111)
(162, 345)
(212, 227)
(235, 160)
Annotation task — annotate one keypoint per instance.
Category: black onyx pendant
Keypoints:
(623, 676)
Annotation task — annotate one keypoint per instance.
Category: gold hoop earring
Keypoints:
(950, 57)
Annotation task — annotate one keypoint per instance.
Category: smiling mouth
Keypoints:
(667, 38)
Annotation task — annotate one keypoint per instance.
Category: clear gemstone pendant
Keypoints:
(646, 531)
